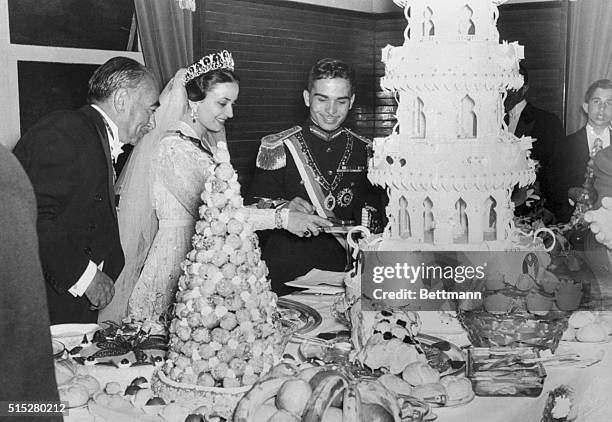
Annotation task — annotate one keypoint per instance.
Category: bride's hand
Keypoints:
(306, 225)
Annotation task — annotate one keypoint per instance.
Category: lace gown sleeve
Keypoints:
(261, 219)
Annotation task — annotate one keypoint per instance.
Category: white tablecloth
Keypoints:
(592, 385)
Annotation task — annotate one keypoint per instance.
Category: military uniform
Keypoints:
(338, 161)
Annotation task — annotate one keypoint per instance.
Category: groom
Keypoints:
(68, 156)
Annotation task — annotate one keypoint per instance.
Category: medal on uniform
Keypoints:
(345, 197)
(330, 202)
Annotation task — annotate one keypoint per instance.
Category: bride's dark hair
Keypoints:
(198, 87)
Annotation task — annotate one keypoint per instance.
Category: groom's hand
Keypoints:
(100, 291)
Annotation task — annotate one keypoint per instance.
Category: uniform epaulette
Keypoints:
(363, 139)
(271, 155)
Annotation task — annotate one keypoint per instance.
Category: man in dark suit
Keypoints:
(26, 361)
(524, 119)
(68, 156)
(320, 167)
(574, 152)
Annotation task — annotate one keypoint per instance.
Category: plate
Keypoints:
(319, 279)
(298, 316)
(72, 334)
(58, 348)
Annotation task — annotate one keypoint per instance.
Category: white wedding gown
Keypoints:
(178, 175)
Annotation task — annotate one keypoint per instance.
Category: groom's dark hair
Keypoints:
(199, 86)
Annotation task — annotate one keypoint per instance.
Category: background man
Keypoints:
(574, 152)
(524, 119)
(67, 156)
(319, 167)
(26, 361)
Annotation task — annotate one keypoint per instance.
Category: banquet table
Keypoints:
(592, 385)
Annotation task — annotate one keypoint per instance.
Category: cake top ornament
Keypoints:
(218, 60)
(436, 19)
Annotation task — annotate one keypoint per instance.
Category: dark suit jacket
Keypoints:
(67, 157)
(288, 256)
(26, 362)
(568, 170)
(598, 262)
(548, 131)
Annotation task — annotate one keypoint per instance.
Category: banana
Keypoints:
(328, 390)
(307, 373)
(261, 392)
(351, 404)
(375, 392)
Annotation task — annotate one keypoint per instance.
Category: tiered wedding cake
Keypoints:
(450, 164)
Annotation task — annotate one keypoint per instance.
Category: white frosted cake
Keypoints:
(450, 164)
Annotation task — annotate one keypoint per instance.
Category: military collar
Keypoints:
(323, 134)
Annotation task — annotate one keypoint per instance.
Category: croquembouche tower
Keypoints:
(450, 164)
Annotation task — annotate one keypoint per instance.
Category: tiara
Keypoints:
(219, 60)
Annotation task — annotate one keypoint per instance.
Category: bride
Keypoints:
(161, 186)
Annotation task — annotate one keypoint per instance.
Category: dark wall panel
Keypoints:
(541, 27)
(274, 43)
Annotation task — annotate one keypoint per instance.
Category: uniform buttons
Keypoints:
(330, 172)
(98, 198)
(328, 149)
(87, 250)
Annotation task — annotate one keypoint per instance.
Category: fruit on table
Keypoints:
(261, 392)
(335, 396)
(75, 394)
(90, 383)
(418, 373)
(293, 395)
(372, 412)
(113, 387)
(264, 412)
(328, 393)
